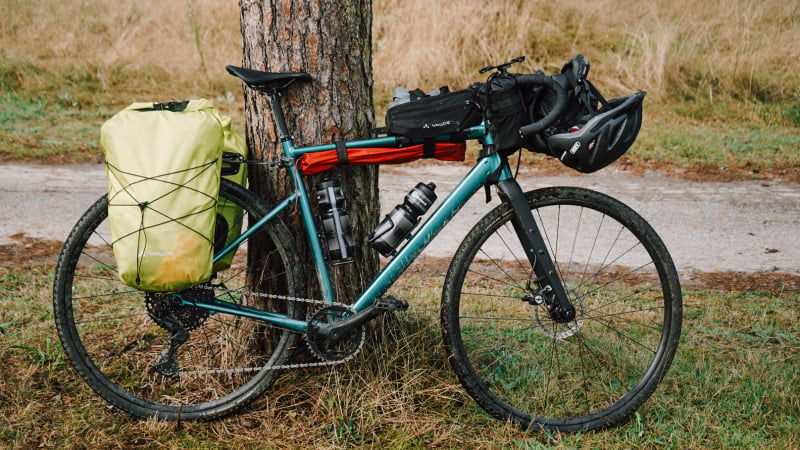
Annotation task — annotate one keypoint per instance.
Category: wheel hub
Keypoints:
(558, 329)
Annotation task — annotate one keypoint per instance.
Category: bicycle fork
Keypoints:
(551, 290)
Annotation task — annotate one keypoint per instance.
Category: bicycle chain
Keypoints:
(280, 366)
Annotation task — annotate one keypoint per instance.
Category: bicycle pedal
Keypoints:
(391, 304)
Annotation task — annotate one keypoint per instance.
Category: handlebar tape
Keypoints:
(539, 79)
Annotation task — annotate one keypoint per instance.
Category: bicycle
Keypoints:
(561, 309)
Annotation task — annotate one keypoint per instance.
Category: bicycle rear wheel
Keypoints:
(108, 330)
(592, 372)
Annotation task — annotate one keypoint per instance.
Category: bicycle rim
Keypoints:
(111, 338)
(589, 373)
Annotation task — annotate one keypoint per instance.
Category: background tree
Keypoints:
(331, 40)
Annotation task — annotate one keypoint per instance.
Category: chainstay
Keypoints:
(278, 366)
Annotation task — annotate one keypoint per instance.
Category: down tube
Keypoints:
(438, 219)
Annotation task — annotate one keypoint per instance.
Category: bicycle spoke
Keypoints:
(516, 360)
(111, 332)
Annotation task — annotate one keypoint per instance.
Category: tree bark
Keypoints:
(331, 40)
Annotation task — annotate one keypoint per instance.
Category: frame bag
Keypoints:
(163, 162)
(429, 116)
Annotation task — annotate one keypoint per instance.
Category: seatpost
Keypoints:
(277, 114)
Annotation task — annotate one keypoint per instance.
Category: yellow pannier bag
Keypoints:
(163, 162)
(229, 215)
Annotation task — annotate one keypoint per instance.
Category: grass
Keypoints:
(720, 145)
(41, 129)
(722, 95)
(733, 384)
(722, 99)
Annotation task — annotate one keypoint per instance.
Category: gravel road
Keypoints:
(750, 226)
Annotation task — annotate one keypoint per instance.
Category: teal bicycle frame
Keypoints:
(489, 167)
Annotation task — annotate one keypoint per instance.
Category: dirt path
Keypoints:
(751, 226)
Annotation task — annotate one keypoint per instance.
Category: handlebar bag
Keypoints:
(163, 163)
(436, 115)
(506, 111)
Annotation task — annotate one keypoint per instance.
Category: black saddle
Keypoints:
(267, 81)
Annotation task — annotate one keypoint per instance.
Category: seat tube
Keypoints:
(307, 216)
(313, 237)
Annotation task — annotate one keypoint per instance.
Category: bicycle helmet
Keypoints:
(604, 137)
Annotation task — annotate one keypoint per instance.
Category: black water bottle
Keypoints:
(403, 218)
(335, 221)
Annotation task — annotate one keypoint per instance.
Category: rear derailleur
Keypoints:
(172, 314)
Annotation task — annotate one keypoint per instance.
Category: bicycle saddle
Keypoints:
(267, 81)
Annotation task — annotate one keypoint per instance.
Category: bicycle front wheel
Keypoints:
(593, 372)
(110, 332)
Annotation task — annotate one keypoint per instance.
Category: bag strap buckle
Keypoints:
(171, 106)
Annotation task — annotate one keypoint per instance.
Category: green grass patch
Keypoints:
(54, 116)
(733, 384)
(40, 129)
(733, 145)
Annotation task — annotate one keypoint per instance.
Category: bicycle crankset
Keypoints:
(336, 332)
(327, 349)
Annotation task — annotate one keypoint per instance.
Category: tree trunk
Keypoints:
(331, 40)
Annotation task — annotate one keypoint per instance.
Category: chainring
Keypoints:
(329, 351)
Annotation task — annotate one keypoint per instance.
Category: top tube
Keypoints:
(477, 132)
(480, 173)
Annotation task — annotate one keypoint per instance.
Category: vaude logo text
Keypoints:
(156, 254)
(437, 124)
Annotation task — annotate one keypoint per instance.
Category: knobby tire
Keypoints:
(592, 372)
(112, 342)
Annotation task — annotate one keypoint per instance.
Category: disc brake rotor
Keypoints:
(562, 331)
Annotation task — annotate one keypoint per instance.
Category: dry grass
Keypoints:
(722, 76)
(735, 48)
(738, 48)
(733, 384)
(102, 37)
